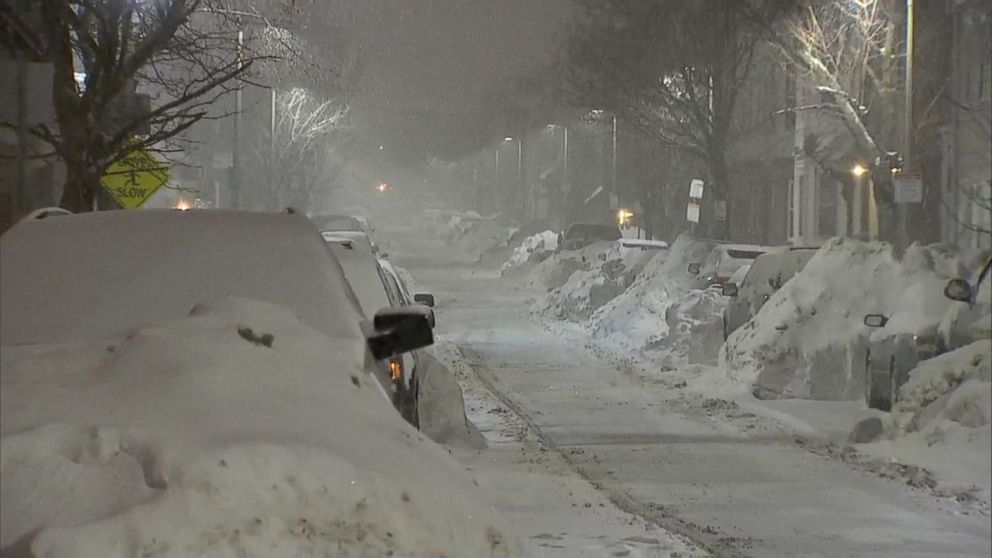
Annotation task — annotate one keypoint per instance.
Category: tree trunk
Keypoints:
(720, 187)
(80, 188)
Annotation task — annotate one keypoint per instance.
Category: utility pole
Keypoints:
(613, 158)
(236, 140)
(17, 201)
(907, 147)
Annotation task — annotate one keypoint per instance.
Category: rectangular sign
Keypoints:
(908, 188)
(720, 210)
(696, 189)
(692, 212)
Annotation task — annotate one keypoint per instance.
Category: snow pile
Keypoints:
(587, 290)
(556, 270)
(199, 437)
(809, 341)
(474, 237)
(941, 421)
(534, 248)
(955, 387)
(638, 320)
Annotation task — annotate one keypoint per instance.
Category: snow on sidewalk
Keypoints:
(554, 511)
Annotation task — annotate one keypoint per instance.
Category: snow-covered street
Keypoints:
(636, 470)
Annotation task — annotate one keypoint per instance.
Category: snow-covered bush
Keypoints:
(809, 340)
(193, 438)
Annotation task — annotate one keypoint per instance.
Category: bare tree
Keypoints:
(851, 52)
(673, 69)
(187, 51)
(289, 160)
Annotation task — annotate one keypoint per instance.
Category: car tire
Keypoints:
(878, 389)
(407, 401)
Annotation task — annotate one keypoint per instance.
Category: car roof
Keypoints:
(89, 276)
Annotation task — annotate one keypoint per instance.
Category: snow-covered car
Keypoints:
(723, 260)
(579, 235)
(628, 247)
(350, 226)
(890, 358)
(46, 213)
(85, 277)
(375, 288)
(970, 316)
(763, 277)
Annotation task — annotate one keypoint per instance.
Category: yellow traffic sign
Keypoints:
(133, 179)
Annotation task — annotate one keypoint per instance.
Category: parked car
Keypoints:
(89, 276)
(723, 260)
(579, 235)
(890, 358)
(970, 316)
(377, 288)
(345, 225)
(630, 247)
(760, 281)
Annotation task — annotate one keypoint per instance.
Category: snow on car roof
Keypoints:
(643, 243)
(82, 277)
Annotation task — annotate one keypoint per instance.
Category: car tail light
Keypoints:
(396, 369)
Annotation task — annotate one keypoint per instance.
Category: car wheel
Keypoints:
(878, 390)
(408, 401)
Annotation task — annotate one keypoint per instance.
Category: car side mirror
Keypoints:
(399, 330)
(426, 299)
(876, 320)
(694, 268)
(959, 290)
(730, 289)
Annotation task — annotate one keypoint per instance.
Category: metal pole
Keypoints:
(857, 207)
(272, 123)
(22, 134)
(565, 152)
(520, 177)
(613, 170)
(908, 117)
(235, 140)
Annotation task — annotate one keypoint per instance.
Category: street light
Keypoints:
(859, 170)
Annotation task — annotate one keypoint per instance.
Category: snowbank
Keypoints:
(186, 438)
(532, 249)
(955, 387)
(941, 421)
(809, 341)
(555, 271)
(638, 320)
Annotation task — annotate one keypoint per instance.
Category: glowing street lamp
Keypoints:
(382, 187)
(624, 217)
(182, 205)
(859, 170)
